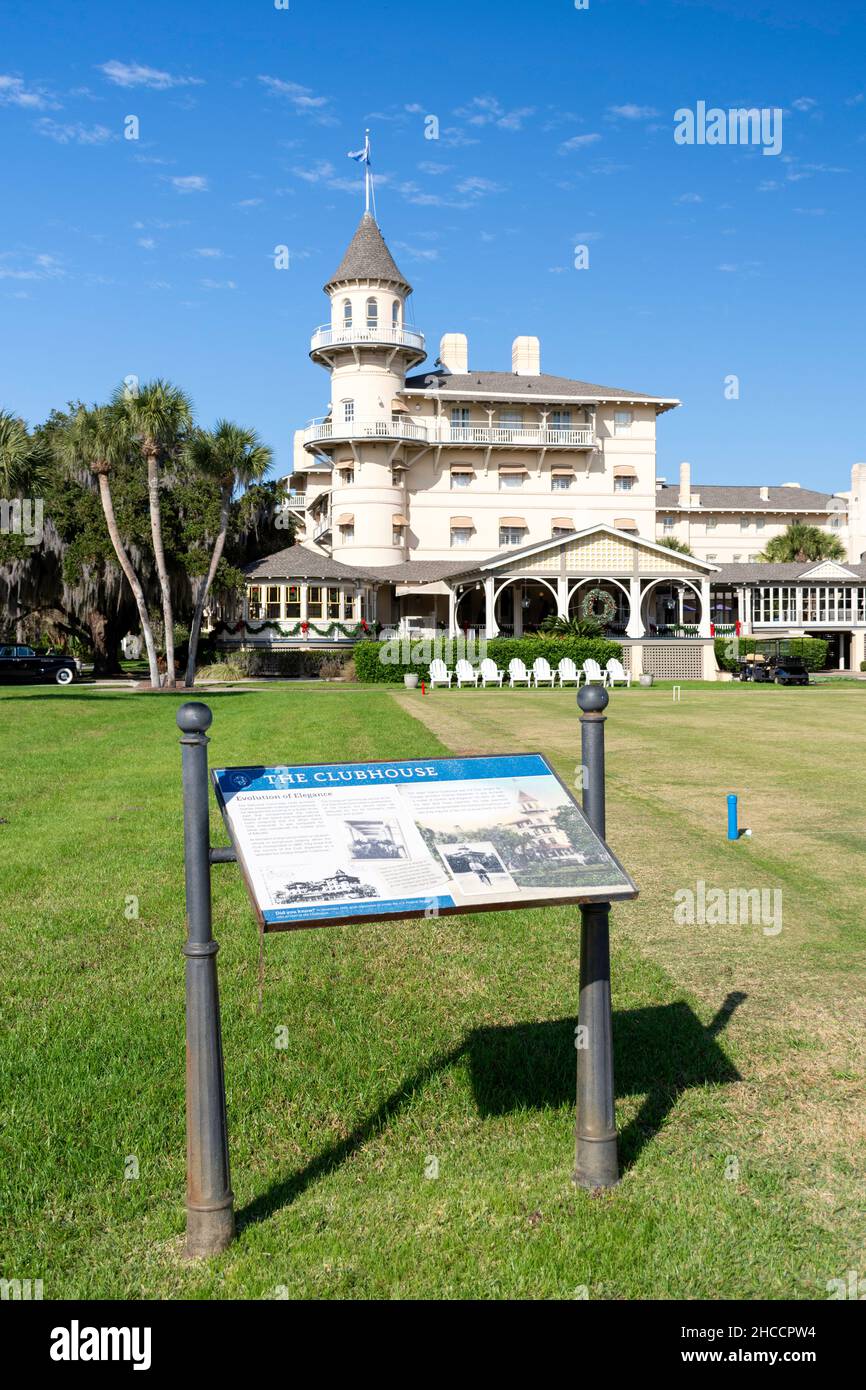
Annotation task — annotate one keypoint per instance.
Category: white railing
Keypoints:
(432, 432)
(532, 435)
(319, 430)
(297, 501)
(326, 336)
(321, 528)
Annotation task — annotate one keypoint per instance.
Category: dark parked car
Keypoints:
(24, 664)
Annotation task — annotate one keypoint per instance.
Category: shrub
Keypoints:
(813, 650)
(261, 662)
(229, 670)
(389, 662)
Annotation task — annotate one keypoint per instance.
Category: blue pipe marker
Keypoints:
(733, 830)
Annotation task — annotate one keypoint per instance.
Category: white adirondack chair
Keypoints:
(542, 672)
(490, 672)
(617, 672)
(439, 673)
(591, 672)
(464, 673)
(567, 671)
(517, 673)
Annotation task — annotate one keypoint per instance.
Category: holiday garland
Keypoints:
(598, 606)
(304, 629)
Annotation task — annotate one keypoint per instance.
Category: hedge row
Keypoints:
(813, 650)
(256, 662)
(390, 661)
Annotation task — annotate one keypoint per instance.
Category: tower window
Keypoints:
(372, 313)
(347, 313)
(395, 314)
(348, 412)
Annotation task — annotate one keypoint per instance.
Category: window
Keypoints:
(461, 535)
(712, 557)
(396, 477)
(396, 535)
(754, 557)
(621, 421)
(349, 605)
(562, 531)
(273, 607)
(509, 480)
(314, 601)
(836, 522)
(459, 417)
(561, 482)
(511, 535)
(711, 523)
(759, 523)
(511, 419)
(334, 602)
(372, 313)
(623, 484)
(347, 533)
(560, 420)
(460, 478)
(347, 313)
(347, 475)
(744, 523)
(293, 601)
(348, 412)
(395, 314)
(736, 558)
(668, 523)
(254, 602)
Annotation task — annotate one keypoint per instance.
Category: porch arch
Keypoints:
(524, 619)
(623, 616)
(679, 584)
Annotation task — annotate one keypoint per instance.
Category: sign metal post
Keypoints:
(596, 1161)
(210, 1219)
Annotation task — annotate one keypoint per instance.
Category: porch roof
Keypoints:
(520, 556)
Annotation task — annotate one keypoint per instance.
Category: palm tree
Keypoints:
(100, 439)
(800, 543)
(235, 457)
(570, 627)
(23, 461)
(159, 416)
(679, 546)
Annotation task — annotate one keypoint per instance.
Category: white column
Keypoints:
(635, 623)
(706, 613)
(490, 626)
(562, 597)
(743, 610)
(303, 617)
(452, 612)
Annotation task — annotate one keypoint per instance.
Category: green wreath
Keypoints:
(598, 606)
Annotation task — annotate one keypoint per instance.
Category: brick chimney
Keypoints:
(526, 356)
(454, 352)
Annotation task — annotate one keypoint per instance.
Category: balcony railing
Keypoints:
(326, 336)
(319, 431)
(433, 432)
(321, 528)
(296, 501)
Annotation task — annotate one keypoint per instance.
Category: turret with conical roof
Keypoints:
(368, 429)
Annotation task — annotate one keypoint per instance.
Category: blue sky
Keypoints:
(155, 256)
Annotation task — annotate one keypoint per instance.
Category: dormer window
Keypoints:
(347, 313)
(372, 313)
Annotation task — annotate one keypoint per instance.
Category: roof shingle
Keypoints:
(368, 258)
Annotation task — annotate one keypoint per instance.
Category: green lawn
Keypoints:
(739, 1056)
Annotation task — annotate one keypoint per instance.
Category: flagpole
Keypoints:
(367, 171)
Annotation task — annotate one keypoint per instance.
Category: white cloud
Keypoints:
(189, 183)
(577, 142)
(146, 242)
(210, 252)
(417, 253)
(428, 167)
(322, 169)
(38, 267)
(476, 187)
(14, 92)
(137, 75)
(489, 111)
(219, 284)
(804, 103)
(689, 198)
(631, 112)
(74, 133)
(249, 203)
(305, 102)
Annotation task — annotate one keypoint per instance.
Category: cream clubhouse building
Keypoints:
(447, 500)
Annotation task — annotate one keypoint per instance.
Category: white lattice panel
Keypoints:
(679, 661)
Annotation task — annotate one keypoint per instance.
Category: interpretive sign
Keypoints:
(351, 842)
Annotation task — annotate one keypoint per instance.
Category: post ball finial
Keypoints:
(592, 698)
(194, 717)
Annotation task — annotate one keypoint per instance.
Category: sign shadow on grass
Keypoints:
(660, 1052)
